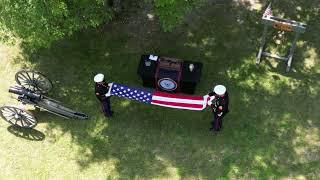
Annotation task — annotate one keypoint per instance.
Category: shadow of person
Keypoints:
(29, 134)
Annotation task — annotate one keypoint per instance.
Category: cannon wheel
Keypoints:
(34, 81)
(18, 117)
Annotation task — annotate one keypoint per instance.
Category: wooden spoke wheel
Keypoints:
(34, 81)
(18, 117)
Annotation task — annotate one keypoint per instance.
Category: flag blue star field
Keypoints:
(138, 94)
(148, 96)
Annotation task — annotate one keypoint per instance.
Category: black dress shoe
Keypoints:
(215, 132)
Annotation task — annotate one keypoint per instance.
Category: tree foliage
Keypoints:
(39, 22)
(171, 12)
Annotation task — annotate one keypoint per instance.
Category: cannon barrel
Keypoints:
(25, 92)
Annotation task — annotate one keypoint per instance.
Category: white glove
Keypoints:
(108, 93)
(210, 100)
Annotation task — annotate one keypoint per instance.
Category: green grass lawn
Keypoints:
(272, 130)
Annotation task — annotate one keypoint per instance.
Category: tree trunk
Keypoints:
(115, 5)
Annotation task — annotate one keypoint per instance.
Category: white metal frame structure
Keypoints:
(283, 25)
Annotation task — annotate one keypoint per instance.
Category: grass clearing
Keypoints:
(272, 130)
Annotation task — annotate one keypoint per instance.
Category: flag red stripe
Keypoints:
(178, 96)
(198, 106)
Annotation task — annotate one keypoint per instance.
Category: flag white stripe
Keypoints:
(187, 101)
(178, 107)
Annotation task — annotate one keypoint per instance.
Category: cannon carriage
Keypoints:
(31, 89)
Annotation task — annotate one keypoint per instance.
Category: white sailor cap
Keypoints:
(220, 90)
(98, 78)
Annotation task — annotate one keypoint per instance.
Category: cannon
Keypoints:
(31, 89)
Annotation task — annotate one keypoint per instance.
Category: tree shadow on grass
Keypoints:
(265, 134)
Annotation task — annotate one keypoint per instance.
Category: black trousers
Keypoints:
(106, 107)
(216, 123)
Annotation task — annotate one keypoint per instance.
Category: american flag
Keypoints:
(148, 96)
(268, 11)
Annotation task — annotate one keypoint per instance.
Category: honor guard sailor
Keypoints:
(103, 94)
(219, 101)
